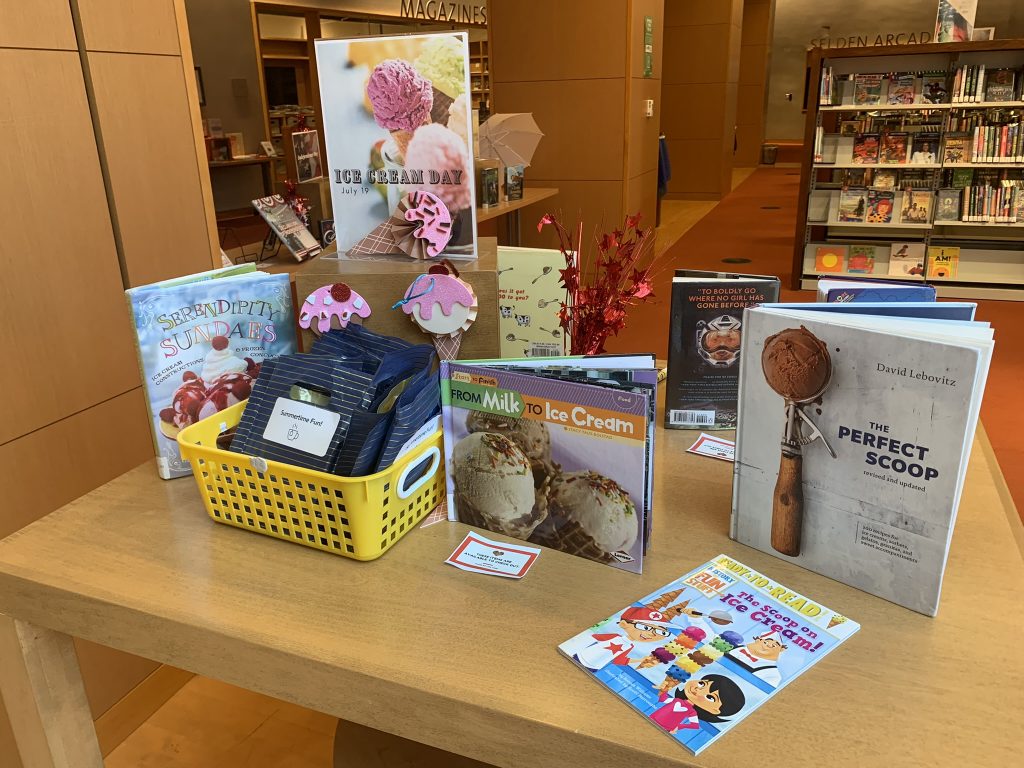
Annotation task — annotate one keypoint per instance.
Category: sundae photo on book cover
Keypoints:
(856, 425)
(702, 652)
(556, 463)
(397, 129)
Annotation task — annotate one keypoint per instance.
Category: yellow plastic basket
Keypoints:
(357, 517)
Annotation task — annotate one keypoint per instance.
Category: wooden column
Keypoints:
(577, 66)
(752, 92)
(701, 74)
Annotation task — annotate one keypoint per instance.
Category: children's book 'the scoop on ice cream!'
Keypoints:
(704, 651)
(856, 425)
(560, 457)
(201, 340)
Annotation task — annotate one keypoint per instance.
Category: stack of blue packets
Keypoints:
(347, 408)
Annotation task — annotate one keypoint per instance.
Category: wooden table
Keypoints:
(265, 164)
(511, 208)
(468, 663)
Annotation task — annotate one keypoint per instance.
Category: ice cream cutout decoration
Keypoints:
(332, 306)
(443, 305)
(796, 364)
(420, 227)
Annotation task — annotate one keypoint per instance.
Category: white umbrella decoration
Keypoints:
(511, 138)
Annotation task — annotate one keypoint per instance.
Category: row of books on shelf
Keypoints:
(973, 84)
(1002, 143)
(905, 260)
(970, 84)
(880, 178)
(982, 204)
(894, 149)
(878, 206)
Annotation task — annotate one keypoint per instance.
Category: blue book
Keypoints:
(700, 654)
(873, 290)
(201, 340)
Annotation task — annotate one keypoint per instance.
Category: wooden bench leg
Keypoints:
(356, 746)
(42, 689)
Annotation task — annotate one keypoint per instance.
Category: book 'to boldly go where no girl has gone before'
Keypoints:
(704, 345)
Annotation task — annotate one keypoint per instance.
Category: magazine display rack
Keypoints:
(915, 145)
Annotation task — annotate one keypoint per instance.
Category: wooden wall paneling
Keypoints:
(37, 24)
(56, 464)
(65, 327)
(138, 705)
(584, 133)
(596, 203)
(145, 119)
(128, 26)
(643, 131)
(580, 40)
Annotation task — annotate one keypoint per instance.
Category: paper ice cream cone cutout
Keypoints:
(420, 227)
(448, 346)
(442, 305)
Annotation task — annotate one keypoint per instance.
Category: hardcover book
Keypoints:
(943, 262)
(906, 260)
(514, 182)
(829, 258)
(867, 89)
(956, 149)
(916, 207)
(286, 226)
(530, 296)
(843, 465)
(878, 291)
(397, 119)
(1000, 85)
(947, 207)
(901, 89)
(701, 653)
(885, 178)
(865, 149)
(559, 463)
(893, 148)
(880, 206)
(924, 146)
(861, 260)
(201, 340)
(705, 339)
(933, 88)
(852, 205)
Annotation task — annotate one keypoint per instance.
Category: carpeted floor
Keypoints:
(756, 221)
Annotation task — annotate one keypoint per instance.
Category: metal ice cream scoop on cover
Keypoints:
(796, 364)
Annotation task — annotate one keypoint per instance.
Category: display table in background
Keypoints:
(265, 164)
(468, 663)
(510, 210)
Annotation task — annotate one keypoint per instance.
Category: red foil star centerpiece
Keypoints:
(602, 282)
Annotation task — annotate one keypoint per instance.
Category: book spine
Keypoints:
(1004, 140)
(955, 92)
(979, 90)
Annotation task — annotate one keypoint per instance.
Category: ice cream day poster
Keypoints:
(397, 121)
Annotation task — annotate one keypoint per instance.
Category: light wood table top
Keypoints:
(468, 663)
(531, 195)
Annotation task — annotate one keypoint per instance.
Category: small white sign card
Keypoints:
(495, 558)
